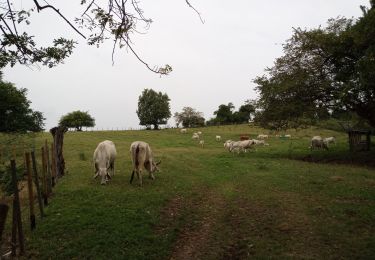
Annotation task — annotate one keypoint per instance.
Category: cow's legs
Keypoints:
(139, 174)
(131, 178)
(113, 168)
(96, 171)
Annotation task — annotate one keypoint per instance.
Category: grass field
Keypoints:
(211, 204)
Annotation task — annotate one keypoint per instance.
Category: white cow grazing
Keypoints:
(262, 136)
(318, 142)
(104, 160)
(287, 136)
(183, 131)
(201, 143)
(227, 144)
(142, 158)
(329, 140)
(195, 136)
(259, 142)
(199, 132)
(241, 146)
(218, 138)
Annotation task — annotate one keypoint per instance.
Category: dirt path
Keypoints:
(218, 228)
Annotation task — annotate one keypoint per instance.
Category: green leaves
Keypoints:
(321, 70)
(153, 108)
(15, 112)
(77, 119)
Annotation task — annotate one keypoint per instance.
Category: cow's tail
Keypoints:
(136, 156)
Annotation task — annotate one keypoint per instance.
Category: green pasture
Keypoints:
(280, 201)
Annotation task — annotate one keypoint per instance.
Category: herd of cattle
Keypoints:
(142, 157)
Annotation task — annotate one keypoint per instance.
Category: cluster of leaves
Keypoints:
(15, 112)
(153, 108)
(226, 114)
(323, 70)
(77, 119)
(103, 20)
(19, 47)
(189, 117)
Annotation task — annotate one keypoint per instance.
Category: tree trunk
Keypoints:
(58, 142)
(156, 127)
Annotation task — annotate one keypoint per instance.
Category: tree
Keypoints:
(77, 119)
(322, 70)
(189, 117)
(15, 112)
(153, 108)
(224, 114)
(100, 20)
(245, 112)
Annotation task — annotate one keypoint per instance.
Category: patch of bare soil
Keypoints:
(193, 237)
(241, 228)
(255, 229)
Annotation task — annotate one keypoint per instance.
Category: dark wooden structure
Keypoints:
(359, 140)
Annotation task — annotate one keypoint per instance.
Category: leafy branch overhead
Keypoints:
(115, 20)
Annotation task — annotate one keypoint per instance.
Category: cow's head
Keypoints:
(103, 173)
(153, 166)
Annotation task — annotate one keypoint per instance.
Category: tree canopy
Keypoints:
(322, 70)
(153, 108)
(77, 119)
(226, 114)
(15, 112)
(189, 117)
(99, 21)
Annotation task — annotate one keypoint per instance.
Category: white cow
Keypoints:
(259, 142)
(318, 142)
(104, 160)
(201, 143)
(287, 136)
(218, 138)
(227, 144)
(241, 146)
(183, 131)
(195, 136)
(142, 158)
(329, 140)
(262, 136)
(199, 132)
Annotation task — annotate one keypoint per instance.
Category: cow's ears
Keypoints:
(109, 176)
(159, 162)
(96, 175)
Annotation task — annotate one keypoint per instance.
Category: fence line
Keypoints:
(30, 169)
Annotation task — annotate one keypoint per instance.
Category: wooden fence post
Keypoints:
(30, 189)
(17, 209)
(58, 141)
(36, 180)
(3, 217)
(1, 159)
(48, 169)
(44, 179)
(53, 166)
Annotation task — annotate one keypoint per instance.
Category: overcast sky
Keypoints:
(213, 63)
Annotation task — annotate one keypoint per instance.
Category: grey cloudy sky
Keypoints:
(213, 63)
